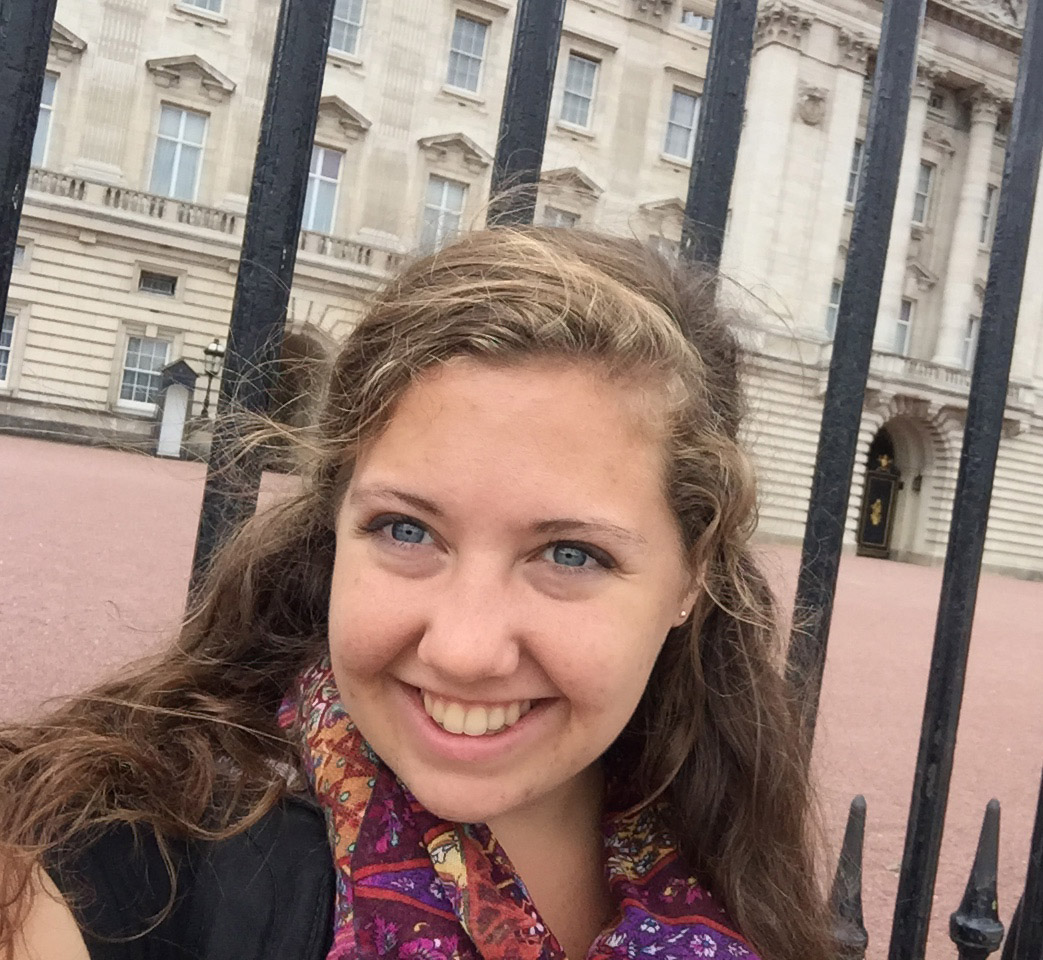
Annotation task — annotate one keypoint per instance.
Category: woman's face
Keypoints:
(507, 569)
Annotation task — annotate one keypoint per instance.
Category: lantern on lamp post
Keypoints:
(213, 355)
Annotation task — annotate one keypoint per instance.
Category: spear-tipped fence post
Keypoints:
(846, 898)
(975, 927)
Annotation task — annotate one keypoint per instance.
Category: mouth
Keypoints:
(474, 719)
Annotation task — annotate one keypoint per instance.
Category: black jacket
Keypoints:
(265, 894)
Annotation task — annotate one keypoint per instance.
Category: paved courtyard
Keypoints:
(95, 548)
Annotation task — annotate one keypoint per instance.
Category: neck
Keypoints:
(556, 847)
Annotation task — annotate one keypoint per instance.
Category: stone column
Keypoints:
(901, 226)
(958, 295)
(763, 150)
(841, 131)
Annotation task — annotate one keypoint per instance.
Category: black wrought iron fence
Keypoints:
(269, 250)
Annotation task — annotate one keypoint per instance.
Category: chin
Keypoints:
(462, 803)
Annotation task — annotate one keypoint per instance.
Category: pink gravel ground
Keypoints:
(95, 549)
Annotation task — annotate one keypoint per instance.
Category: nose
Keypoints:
(470, 635)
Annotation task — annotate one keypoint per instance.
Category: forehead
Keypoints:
(539, 430)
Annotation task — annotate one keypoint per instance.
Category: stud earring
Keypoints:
(684, 613)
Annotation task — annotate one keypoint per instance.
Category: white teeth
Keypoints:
(497, 718)
(454, 717)
(474, 721)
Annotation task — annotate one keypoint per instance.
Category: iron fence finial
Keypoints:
(846, 898)
(975, 927)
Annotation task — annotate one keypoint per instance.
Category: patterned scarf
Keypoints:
(411, 885)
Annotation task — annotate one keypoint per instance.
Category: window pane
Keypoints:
(40, 140)
(146, 356)
(6, 339)
(50, 85)
(575, 109)
(580, 76)
(195, 128)
(325, 199)
(455, 196)
(185, 187)
(682, 108)
(170, 122)
(331, 164)
(676, 141)
(163, 168)
(435, 191)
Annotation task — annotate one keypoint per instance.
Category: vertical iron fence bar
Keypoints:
(1028, 944)
(852, 351)
(716, 149)
(526, 111)
(975, 926)
(25, 35)
(1012, 934)
(262, 290)
(985, 405)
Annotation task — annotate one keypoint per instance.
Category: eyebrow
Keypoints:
(559, 526)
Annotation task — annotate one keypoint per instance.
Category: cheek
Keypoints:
(366, 631)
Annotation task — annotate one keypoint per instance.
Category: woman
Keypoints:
(509, 638)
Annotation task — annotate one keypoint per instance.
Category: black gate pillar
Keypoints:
(262, 290)
(25, 35)
(526, 111)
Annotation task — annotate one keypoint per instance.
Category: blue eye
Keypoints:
(406, 532)
(566, 555)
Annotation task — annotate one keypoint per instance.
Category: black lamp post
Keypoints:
(213, 355)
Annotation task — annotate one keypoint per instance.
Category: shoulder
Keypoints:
(49, 928)
(280, 868)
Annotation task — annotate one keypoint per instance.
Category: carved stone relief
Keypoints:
(1004, 13)
(811, 104)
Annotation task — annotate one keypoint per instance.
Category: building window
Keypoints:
(466, 53)
(833, 308)
(922, 198)
(854, 176)
(161, 283)
(347, 25)
(146, 357)
(680, 128)
(988, 214)
(179, 153)
(970, 341)
(320, 203)
(19, 255)
(6, 342)
(443, 208)
(553, 217)
(580, 82)
(214, 6)
(42, 140)
(902, 327)
(689, 18)
(665, 247)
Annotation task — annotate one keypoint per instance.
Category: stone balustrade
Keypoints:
(92, 193)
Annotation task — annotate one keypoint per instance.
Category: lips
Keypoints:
(473, 719)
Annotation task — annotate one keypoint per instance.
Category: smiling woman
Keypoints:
(509, 640)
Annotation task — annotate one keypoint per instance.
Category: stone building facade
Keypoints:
(133, 218)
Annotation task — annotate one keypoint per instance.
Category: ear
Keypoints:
(688, 602)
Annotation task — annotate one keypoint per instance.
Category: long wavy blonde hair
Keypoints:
(187, 743)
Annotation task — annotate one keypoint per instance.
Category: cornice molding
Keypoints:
(170, 71)
(65, 45)
(853, 48)
(440, 146)
(572, 178)
(351, 123)
(784, 23)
